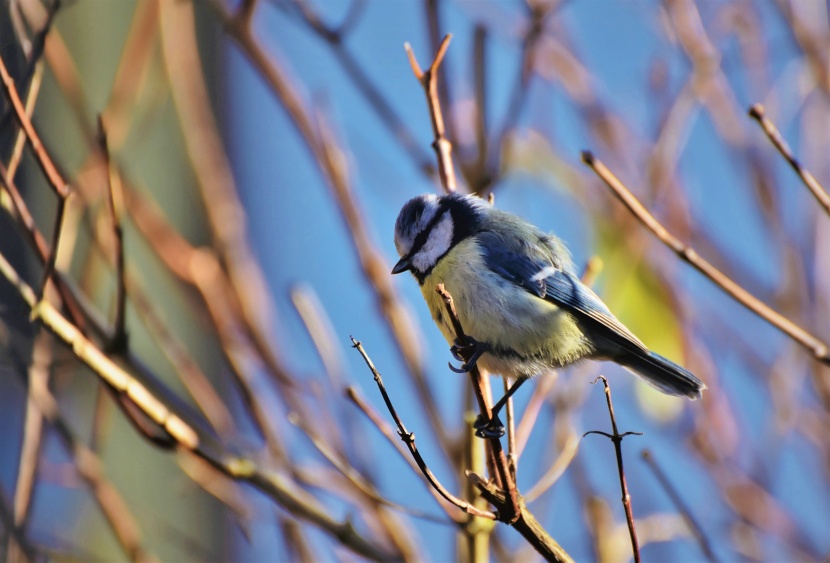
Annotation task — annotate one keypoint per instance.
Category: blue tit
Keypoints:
(516, 295)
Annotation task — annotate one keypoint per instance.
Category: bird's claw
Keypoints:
(492, 428)
(468, 353)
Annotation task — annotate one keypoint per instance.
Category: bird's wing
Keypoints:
(539, 276)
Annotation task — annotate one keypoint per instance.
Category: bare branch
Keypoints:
(617, 438)
(526, 524)
(818, 348)
(429, 80)
(758, 113)
(409, 439)
(60, 187)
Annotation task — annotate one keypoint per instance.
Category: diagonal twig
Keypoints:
(693, 524)
(686, 253)
(409, 439)
(758, 113)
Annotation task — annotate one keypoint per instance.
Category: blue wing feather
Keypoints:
(547, 281)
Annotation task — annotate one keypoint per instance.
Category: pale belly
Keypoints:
(527, 334)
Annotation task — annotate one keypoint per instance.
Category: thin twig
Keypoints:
(20, 141)
(374, 417)
(409, 439)
(758, 113)
(512, 452)
(681, 507)
(429, 80)
(686, 253)
(60, 187)
(509, 512)
(617, 438)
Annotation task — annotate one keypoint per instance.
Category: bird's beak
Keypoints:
(402, 266)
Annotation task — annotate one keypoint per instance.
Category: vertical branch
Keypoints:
(119, 334)
(617, 438)
(429, 80)
(38, 378)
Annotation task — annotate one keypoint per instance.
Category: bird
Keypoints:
(517, 296)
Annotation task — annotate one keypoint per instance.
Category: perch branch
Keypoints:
(526, 524)
(510, 511)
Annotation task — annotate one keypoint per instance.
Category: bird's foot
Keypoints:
(468, 353)
(492, 428)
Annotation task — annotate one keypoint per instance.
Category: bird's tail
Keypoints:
(663, 374)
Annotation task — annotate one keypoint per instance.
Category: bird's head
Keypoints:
(428, 226)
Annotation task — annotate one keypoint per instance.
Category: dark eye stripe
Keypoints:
(423, 236)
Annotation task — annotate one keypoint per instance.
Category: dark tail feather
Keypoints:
(663, 374)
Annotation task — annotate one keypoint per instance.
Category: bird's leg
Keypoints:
(468, 352)
(493, 428)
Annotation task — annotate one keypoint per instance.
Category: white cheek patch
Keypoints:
(544, 274)
(437, 244)
(405, 234)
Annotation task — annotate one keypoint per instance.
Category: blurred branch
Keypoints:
(330, 161)
(279, 489)
(556, 469)
(20, 141)
(617, 438)
(539, 12)
(118, 342)
(429, 80)
(30, 448)
(335, 37)
(215, 180)
(409, 439)
(87, 464)
(757, 113)
(818, 348)
(56, 182)
(681, 507)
